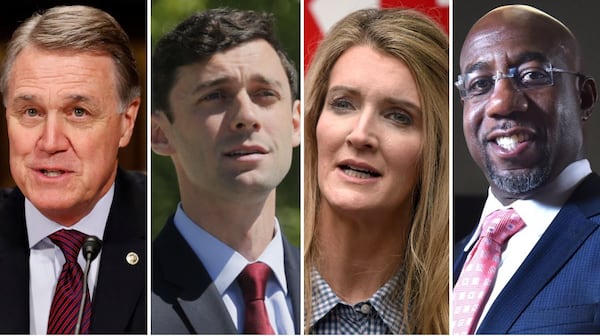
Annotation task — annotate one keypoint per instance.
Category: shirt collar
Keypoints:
(544, 205)
(385, 303)
(223, 263)
(39, 226)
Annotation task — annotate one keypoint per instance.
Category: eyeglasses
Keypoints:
(479, 84)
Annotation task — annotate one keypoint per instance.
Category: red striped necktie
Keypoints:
(67, 296)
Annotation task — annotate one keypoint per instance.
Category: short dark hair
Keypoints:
(202, 35)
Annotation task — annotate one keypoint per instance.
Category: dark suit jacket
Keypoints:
(557, 288)
(184, 298)
(119, 304)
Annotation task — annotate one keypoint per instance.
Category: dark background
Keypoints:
(131, 15)
(470, 186)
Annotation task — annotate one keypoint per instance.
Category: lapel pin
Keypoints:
(132, 258)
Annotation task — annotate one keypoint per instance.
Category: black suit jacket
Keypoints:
(119, 304)
(184, 298)
(556, 290)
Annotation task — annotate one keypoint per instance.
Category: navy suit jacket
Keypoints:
(184, 298)
(119, 302)
(557, 288)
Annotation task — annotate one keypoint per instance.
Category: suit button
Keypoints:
(132, 258)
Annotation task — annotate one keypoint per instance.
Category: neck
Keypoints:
(245, 227)
(358, 255)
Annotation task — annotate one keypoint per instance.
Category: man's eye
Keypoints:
(534, 77)
(79, 112)
(480, 85)
(31, 112)
(217, 95)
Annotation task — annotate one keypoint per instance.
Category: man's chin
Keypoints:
(521, 183)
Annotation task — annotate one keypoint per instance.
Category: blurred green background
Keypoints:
(165, 15)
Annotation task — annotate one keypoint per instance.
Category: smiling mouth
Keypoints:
(52, 172)
(359, 172)
(509, 143)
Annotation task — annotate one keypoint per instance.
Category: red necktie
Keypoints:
(253, 281)
(67, 296)
(478, 275)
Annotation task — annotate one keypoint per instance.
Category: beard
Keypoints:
(520, 183)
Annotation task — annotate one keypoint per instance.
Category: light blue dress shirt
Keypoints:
(46, 259)
(224, 264)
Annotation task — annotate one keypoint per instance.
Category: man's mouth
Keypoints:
(52, 172)
(245, 150)
(242, 153)
(509, 143)
(359, 172)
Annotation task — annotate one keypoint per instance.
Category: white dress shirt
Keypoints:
(224, 264)
(46, 259)
(537, 213)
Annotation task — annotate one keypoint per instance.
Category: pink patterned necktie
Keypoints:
(253, 281)
(67, 296)
(478, 275)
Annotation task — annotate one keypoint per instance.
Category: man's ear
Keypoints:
(159, 139)
(296, 124)
(128, 121)
(588, 96)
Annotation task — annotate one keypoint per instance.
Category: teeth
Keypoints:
(52, 173)
(358, 173)
(511, 142)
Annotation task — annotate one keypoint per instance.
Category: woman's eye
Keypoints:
(400, 117)
(341, 104)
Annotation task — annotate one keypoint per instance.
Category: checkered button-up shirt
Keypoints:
(380, 314)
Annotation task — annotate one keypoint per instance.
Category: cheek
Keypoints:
(405, 158)
(328, 140)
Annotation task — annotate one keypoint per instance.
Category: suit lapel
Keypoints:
(14, 260)
(121, 284)
(182, 275)
(564, 236)
(292, 274)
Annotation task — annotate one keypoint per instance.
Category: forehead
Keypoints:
(373, 72)
(249, 60)
(36, 68)
(500, 42)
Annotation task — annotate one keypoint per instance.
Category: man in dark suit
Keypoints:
(72, 93)
(225, 111)
(525, 103)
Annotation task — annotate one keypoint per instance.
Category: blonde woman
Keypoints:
(376, 177)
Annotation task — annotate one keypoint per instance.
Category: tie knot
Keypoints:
(253, 280)
(69, 241)
(500, 225)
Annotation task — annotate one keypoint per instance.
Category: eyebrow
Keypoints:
(388, 100)
(226, 79)
(521, 58)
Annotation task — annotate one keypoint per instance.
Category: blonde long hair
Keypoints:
(416, 40)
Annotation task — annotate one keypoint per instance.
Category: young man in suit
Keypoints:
(534, 268)
(72, 93)
(225, 111)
